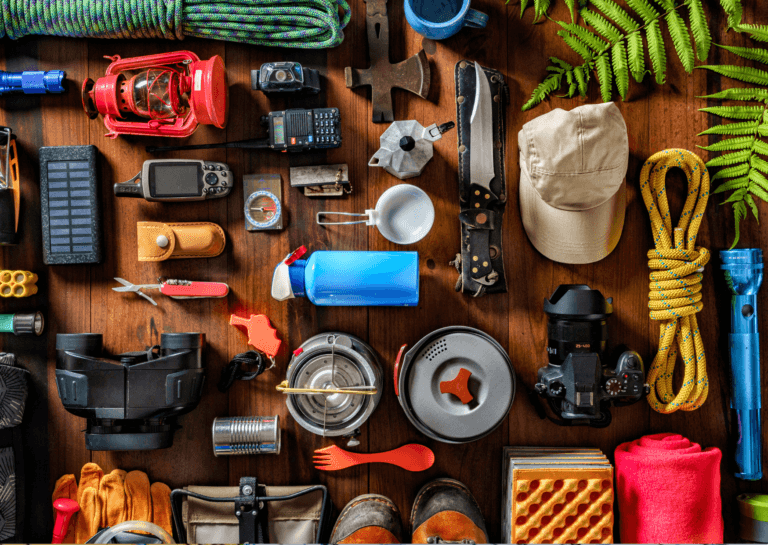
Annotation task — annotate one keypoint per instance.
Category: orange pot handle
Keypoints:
(397, 368)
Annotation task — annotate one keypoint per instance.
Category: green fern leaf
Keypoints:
(572, 88)
(605, 77)
(757, 178)
(750, 53)
(741, 73)
(582, 78)
(644, 9)
(620, 68)
(733, 9)
(730, 185)
(739, 213)
(601, 25)
(577, 45)
(739, 94)
(636, 56)
(759, 192)
(681, 39)
(737, 195)
(572, 8)
(562, 64)
(752, 206)
(731, 172)
(613, 11)
(734, 129)
(585, 35)
(736, 112)
(523, 5)
(756, 32)
(545, 88)
(540, 8)
(731, 144)
(699, 29)
(729, 159)
(759, 164)
(656, 51)
(760, 147)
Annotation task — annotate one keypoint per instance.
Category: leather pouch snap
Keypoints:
(158, 241)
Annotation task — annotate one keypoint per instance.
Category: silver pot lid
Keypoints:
(407, 147)
(457, 385)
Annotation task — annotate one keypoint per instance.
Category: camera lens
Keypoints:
(577, 322)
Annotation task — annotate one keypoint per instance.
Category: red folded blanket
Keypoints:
(668, 491)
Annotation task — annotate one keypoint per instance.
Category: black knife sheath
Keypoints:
(481, 261)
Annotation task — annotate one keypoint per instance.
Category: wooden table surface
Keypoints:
(79, 299)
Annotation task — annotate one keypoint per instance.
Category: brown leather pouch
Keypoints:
(159, 241)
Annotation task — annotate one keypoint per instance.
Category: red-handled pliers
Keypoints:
(178, 289)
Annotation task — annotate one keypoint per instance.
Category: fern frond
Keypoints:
(523, 5)
(750, 53)
(756, 178)
(572, 88)
(756, 32)
(613, 11)
(562, 64)
(739, 94)
(601, 25)
(585, 35)
(741, 73)
(730, 159)
(739, 213)
(680, 39)
(735, 129)
(656, 50)
(733, 9)
(731, 172)
(636, 56)
(737, 195)
(760, 147)
(759, 164)
(731, 144)
(700, 29)
(582, 79)
(644, 9)
(735, 112)
(545, 88)
(577, 45)
(620, 68)
(605, 77)
(752, 206)
(759, 192)
(540, 8)
(572, 8)
(736, 183)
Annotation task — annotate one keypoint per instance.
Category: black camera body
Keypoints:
(578, 382)
(285, 77)
(131, 402)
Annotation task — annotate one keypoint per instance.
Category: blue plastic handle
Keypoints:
(475, 19)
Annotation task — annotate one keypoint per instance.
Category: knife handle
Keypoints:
(195, 290)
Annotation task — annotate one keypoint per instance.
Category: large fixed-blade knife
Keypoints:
(481, 134)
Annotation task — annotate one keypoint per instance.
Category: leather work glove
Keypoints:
(106, 500)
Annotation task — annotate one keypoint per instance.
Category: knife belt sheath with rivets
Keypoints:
(481, 262)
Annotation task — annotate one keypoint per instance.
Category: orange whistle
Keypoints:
(261, 334)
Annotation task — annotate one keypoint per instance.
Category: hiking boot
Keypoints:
(444, 511)
(369, 518)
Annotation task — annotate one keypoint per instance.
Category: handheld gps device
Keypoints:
(178, 180)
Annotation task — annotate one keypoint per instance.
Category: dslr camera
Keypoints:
(131, 400)
(578, 383)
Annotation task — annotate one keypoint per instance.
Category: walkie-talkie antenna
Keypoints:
(244, 144)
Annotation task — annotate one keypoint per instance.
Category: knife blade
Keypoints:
(481, 134)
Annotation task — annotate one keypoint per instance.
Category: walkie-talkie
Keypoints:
(289, 130)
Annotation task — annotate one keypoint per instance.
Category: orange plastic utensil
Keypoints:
(412, 457)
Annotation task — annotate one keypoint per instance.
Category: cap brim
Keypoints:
(575, 237)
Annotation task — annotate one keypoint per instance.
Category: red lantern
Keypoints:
(167, 94)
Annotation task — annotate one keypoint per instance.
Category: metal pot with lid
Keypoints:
(334, 383)
(407, 147)
(456, 385)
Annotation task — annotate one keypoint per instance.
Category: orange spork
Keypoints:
(411, 457)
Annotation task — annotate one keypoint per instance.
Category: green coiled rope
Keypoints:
(307, 24)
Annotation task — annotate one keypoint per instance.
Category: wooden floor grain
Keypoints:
(79, 298)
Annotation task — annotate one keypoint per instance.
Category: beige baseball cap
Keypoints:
(573, 188)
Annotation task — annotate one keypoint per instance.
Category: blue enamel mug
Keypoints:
(441, 19)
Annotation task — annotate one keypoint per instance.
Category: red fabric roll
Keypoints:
(669, 491)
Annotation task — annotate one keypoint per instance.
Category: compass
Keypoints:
(263, 210)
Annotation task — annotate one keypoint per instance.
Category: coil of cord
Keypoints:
(675, 289)
(306, 24)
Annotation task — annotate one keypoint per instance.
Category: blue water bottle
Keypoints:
(349, 279)
(744, 273)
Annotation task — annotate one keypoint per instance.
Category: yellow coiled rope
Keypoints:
(675, 288)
